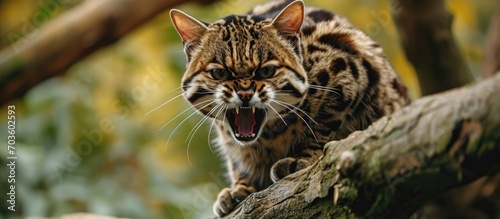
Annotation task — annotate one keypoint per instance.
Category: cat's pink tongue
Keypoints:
(245, 120)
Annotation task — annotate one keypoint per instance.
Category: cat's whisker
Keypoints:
(189, 108)
(195, 129)
(294, 107)
(307, 124)
(163, 104)
(196, 111)
(334, 92)
(224, 118)
(219, 106)
(211, 127)
(278, 94)
(323, 88)
(177, 88)
(258, 146)
(272, 108)
(204, 92)
(198, 125)
(184, 120)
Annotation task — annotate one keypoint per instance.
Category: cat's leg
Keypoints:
(304, 158)
(228, 198)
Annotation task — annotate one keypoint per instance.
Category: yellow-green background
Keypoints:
(65, 166)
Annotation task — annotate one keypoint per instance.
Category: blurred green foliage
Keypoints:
(85, 143)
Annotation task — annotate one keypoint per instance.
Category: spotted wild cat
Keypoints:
(280, 82)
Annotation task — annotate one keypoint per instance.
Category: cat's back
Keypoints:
(349, 74)
(312, 17)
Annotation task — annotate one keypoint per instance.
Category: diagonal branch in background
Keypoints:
(425, 30)
(71, 37)
(401, 161)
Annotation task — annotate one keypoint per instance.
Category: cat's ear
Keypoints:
(290, 19)
(188, 27)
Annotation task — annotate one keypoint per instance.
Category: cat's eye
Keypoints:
(266, 72)
(219, 73)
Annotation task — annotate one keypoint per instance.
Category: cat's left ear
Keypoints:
(188, 27)
(290, 19)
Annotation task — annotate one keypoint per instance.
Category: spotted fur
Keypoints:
(281, 82)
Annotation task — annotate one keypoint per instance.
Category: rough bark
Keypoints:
(425, 30)
(71, 37)
(492, 48)
(389, 170)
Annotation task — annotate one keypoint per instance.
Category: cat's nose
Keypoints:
(245, 94)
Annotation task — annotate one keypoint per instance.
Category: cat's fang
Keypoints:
(245, 122)
(237, 109)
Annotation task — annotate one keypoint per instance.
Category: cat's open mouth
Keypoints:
(245, 122)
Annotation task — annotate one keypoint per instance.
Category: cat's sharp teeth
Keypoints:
(253, 135)
(237, 135)
(253, 110)
(237, 110)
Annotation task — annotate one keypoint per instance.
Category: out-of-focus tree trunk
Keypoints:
(425, 30)
(492, 48)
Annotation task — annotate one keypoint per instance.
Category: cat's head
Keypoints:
(244, 70)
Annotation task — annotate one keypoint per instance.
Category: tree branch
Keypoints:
(428, 42)
(71, 37)
(389, 170)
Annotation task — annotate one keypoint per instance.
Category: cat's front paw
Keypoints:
(287, 166)
(228, 198)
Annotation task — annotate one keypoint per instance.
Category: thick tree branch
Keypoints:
(71, 37)
(428, 42)
(389, 170)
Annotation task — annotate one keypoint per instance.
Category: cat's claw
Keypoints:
(224, 203)
(287, 166)
(228, 198)
(347, 163)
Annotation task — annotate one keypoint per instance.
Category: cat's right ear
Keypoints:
(188, 27)
(289, 20)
